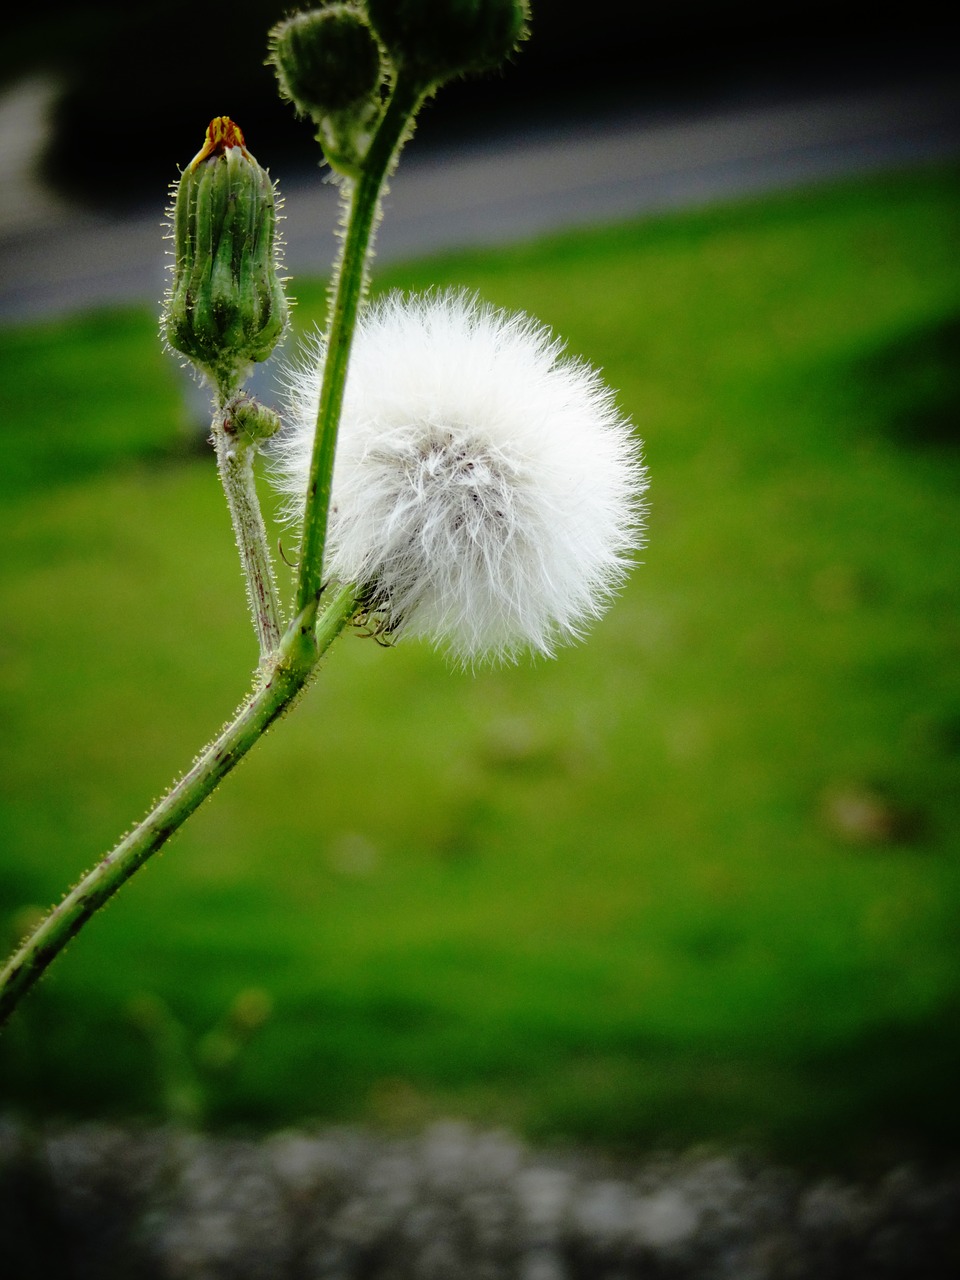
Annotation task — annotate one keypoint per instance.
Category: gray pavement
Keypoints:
(54, 258)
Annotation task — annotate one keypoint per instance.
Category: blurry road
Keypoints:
(54, 258)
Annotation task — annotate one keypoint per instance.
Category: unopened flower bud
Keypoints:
(226, 306)
(327, 61)
(249, 420)
(435, 40)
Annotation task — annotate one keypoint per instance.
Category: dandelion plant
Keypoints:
(451, 472)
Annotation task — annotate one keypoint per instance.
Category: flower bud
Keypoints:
(327, 61)
(226, 306)
(250, 421)
(435, 40)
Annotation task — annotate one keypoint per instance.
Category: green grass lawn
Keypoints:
(695, 880)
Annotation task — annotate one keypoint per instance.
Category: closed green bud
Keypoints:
(435, 40)
(226, 307)
(249, 421)
(327, 61)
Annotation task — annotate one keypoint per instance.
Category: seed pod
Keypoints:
(435, 40)
(226, 307)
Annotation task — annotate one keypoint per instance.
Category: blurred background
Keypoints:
(134, 81)
(696, 880)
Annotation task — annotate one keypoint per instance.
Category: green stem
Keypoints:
(287, 662)
(283, 677)
(235, 460)
(351, 280)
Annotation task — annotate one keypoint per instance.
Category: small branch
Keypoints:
(301, 648)
(235, 458)
(351, 282)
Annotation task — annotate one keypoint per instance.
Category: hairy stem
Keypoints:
(235, 459)
(351, 279)
(287, 661)
(282, 678)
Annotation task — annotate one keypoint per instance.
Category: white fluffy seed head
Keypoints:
(487, 493)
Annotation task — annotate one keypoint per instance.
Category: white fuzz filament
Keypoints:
(486, 491)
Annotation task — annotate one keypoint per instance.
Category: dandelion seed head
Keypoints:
(487, 493)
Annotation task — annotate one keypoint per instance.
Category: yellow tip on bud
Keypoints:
(221, 133)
